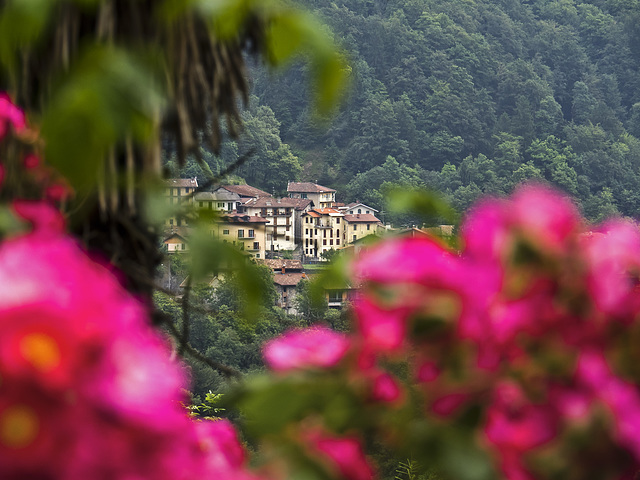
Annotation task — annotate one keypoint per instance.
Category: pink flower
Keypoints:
(419, 260)
(386, 389)
(343, 454)
(622, 397)
(515, 424)
(449, 404)
(10, 116)
(613, 257)
(43, 217)
(382, 329)
(299, 349)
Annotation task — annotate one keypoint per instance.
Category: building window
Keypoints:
(171, 221)
(337, 232)
(324, 242)
(256, 245)
(220, 205)
(354, 238)
(287, 238)
(331, 242)
(359, 210)
(354, 227)
(240, 233)
(303, 195)
(338, 220)
(183, 246)
(324, 233)
(257, 255)
(306, 231)
(368, 226)
(338, 241)
(306, 251)
(251, 234)
(287, 229)
(225, 232)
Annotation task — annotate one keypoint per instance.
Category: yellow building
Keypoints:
(322, 230)
(247, 232)
(179, 191)
(360, 225)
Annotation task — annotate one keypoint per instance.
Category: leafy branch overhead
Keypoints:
(73, 63)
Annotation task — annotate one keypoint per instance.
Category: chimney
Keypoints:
(283, 269)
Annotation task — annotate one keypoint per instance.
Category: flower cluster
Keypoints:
(88, 389)
(533, 321)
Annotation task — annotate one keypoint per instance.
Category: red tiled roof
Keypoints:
(181, 182)
(246, 190)
(297, 203)
(313, 213)
(288, 279)
(361, 218)
(326, 211)
(307, 187)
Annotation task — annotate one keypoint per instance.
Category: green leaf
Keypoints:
(107, 95)
(428, 205)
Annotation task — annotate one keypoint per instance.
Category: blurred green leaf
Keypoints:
(9, 223)
(21, 23)
(427, 205)
(107, 95)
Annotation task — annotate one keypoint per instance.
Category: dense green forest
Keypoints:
(464, 96)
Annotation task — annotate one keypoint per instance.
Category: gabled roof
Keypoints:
(361, 218)
(235, 217)
(307, 187)
(181, 182)
(288, 279)
(327, 211)
(219, 195)
(349, 206)
(280, 263)
(286, 202)
(174, 236)
(245, 190)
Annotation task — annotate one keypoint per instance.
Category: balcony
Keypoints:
(246, 236)
(254, 247)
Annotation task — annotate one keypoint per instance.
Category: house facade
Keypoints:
(284, 217)
(176, 192)
(322, 230)
(246, 232)
(322, 197)
(360, 225)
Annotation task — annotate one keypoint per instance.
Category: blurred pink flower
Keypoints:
(613, 256)
(385, 388)
(514, 424)
(10, 116)
(381, 329)
(342, 454)
(299, 349)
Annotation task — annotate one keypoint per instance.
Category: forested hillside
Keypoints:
(465, 96)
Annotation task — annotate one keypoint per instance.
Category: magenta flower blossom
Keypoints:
(10, 116)
(341, 454)
(89, 389)
(317, 347)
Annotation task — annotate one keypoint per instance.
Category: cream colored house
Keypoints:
(360, 225)
(177, 191)
(322, 197)
(322, 230)
(246, 232)
(284, 216)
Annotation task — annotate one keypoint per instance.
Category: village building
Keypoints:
(177, 192)
(221, 200)
(322, 230)
(322, 197)
(284, 217)
(357, 226)
(357, 208)
(244, 192)
(246, 232)
(287, 274)
(175, 243)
